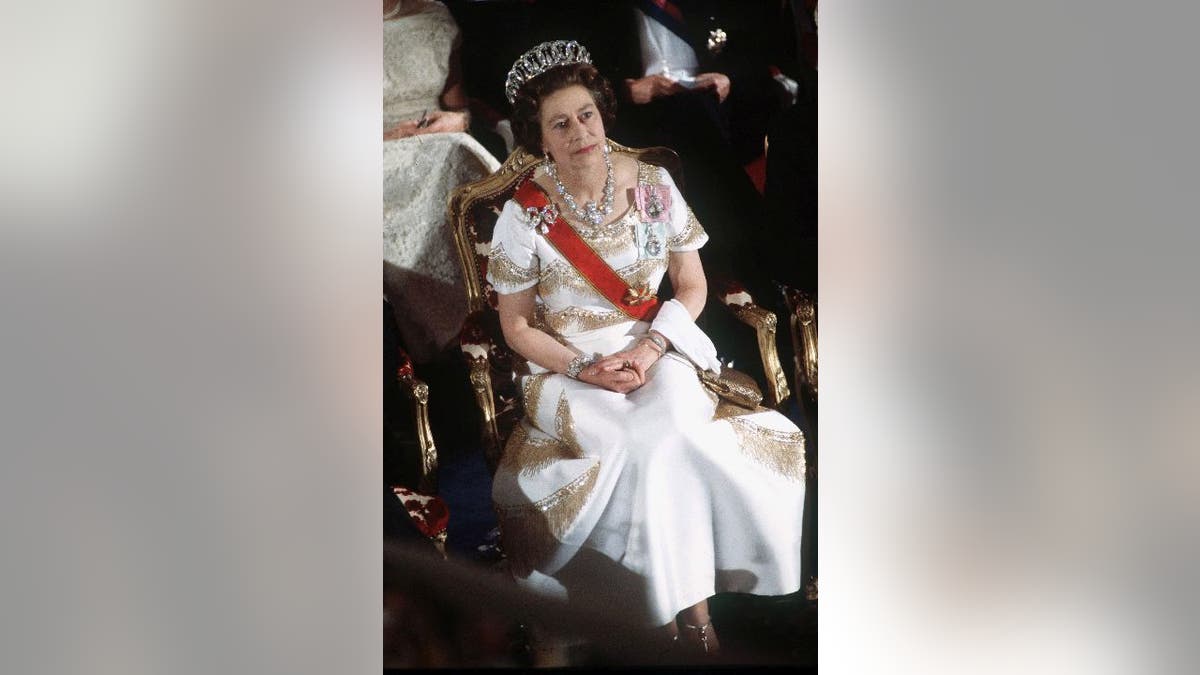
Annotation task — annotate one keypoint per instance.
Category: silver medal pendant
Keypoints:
(655, 208)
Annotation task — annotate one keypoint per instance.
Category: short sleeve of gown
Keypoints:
(512, 262)
(684, 232)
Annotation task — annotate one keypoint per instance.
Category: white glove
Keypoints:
(675, 323)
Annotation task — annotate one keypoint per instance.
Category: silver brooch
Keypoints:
(653, 246)
(542, 218)
(716, 40)
(655, 207)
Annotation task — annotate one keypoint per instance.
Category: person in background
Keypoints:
(427, 152)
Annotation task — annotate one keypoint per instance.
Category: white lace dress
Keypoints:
(681, 494)
(422, 276)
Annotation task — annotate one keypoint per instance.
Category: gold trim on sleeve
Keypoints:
(506, 272)
(693, 233)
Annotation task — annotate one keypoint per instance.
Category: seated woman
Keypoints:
(426, 154)
(623, 452)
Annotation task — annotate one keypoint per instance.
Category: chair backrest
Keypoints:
(472, 212)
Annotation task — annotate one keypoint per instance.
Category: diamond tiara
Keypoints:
(540, 59)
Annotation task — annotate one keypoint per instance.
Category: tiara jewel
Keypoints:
(540, 59)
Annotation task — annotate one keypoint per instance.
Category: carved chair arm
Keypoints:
(764, 322)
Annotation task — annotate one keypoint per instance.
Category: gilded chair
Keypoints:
(472, 212)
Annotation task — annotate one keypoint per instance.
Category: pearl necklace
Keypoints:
(590, 213)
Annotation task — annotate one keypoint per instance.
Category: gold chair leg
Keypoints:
(481, 383)
(418, 393)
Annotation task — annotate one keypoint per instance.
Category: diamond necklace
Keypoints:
(590, 213)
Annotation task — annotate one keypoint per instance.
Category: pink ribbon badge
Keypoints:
(653, 202)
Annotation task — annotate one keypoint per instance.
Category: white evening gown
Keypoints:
(686, 495)
(422, 275)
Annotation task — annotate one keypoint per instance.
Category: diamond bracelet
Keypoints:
(577, 365)
(658, 340)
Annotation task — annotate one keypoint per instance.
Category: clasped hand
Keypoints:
(646, 89)
(623, 371)
(437, 121)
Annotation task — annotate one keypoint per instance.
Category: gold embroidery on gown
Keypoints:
(533, 395)
(559, 276)
(531, 531)
(781, 451)
(582, 319)
(620, 239)
(565, 426)
(505, 270)
(527, 454)
(641, 272)
(691, 234)
(649, 174)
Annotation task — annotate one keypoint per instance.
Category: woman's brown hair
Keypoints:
(526, 122)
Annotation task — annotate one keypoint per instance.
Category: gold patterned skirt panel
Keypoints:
(531, 532)
(780, 451)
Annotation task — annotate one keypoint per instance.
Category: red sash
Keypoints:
(637, 303)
